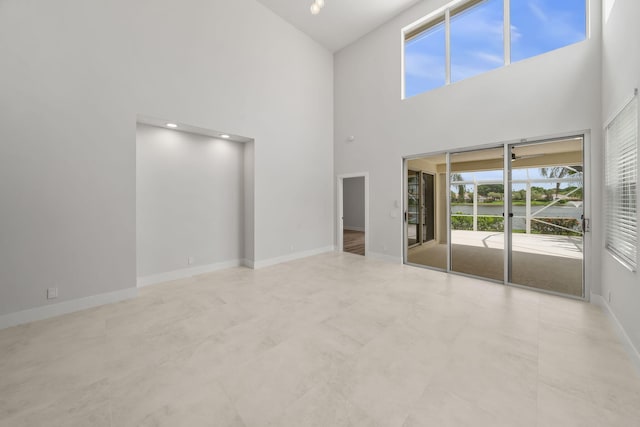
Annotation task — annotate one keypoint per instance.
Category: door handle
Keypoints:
(585, 224)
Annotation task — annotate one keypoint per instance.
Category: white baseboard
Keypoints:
(384, 257)
(52, 310)
(291, 257)
(349, 228)
(183, 273)
(626, 341)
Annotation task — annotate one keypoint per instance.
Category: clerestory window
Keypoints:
(470, 37)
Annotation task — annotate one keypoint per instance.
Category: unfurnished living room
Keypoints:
(319, 213)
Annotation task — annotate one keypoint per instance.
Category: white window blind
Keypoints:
(621, 180)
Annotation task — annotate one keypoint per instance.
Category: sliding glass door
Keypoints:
(547, 211)
(515, 214)
(413, 208)
(476, 217)
(427, 206)
(426, 214)
(421, 207)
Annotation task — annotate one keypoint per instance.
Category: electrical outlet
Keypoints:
(52, 293)
(191, 260)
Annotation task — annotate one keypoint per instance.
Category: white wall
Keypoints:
(353, 203)
(249, 205)
(190, 200)
(621, 74)
(554, 93)
(75, 74)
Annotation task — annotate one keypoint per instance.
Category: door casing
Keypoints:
(340, 210)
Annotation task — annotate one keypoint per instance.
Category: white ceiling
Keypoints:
(340, 22)
(183, 127)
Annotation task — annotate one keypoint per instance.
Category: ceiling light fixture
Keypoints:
(316, 6)
(225, 136)
(172, 125)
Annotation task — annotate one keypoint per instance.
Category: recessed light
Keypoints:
(225, 136)
(172, 125)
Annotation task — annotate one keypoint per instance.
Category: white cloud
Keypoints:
(553, 23)
(482, 22)
(538, 12)
(424, 66)
(515, 34)
(489, 57)
(474, 64)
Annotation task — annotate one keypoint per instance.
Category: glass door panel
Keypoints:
(413, 208)
(537, 236)
(428, 207)
(477, 207)
(547, 204)
(426, 212)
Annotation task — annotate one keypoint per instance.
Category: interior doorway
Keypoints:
(353, 213)
(513, 213)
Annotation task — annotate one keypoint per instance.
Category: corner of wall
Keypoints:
(291, 257)
(186, 273)
(631, 349)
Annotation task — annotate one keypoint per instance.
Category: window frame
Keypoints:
(449, 10)
(431, 25)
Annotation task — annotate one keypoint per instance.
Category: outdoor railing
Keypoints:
(539, 225)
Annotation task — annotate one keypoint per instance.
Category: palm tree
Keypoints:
(560, 172)
(461, 187)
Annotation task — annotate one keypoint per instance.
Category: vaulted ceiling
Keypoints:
(340, 22)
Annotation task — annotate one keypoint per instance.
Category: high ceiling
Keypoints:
(560, 152)
(340, 22)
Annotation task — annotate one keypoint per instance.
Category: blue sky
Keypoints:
(537, 26)
(424, 61)
(477, 40)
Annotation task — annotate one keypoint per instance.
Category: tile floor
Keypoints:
(332, 340)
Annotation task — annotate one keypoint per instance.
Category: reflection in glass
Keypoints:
(428, 207)
(426, 212)
(413, 208)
